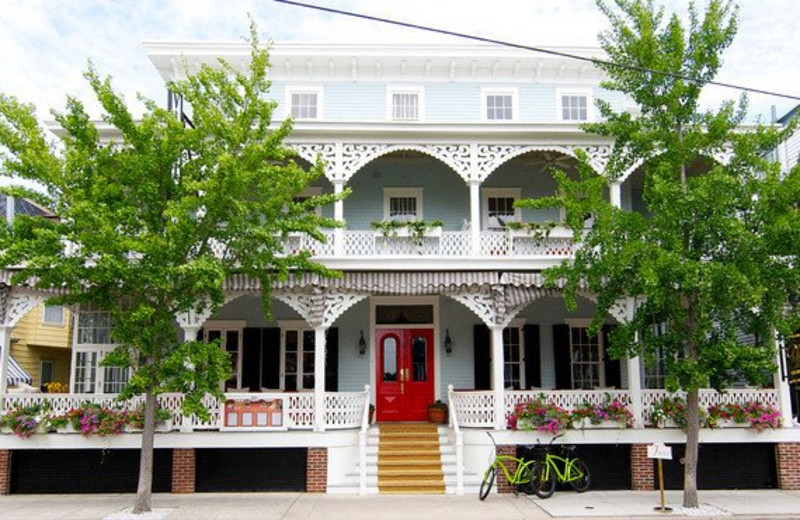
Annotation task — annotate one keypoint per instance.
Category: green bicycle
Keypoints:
(562, 468)
(521, 478)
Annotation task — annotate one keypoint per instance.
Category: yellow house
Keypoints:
(40, 343)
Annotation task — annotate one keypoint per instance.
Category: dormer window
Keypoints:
(402, 204)
(405, 103)
(499, 104)
(305, 103)
(574, 106)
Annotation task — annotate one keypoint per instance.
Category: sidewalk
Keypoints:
(295, 506)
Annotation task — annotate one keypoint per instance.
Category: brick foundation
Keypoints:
(5, 472)
(642, 478)
(183, 470)
(502, 484)
(317, 470)
(787, 456)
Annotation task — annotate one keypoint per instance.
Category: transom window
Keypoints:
(94, 326)
(498, 207)
(305, 103)
(574, 107)
(500, 105)
(587, 360)
(402, 204)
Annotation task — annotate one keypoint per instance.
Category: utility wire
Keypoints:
(552, 52)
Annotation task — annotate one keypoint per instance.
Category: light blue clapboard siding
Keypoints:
(616, 99)
(355, 102)
(527, 172)
(452, 102)
(445, 196)
(457, 368)
(537, 103)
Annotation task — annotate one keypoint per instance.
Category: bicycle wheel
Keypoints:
(543, 482)
(525, 480)
(581, 483)
(488, 482)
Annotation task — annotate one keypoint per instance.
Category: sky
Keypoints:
(45, 44)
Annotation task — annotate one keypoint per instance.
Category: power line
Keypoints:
(552, 52)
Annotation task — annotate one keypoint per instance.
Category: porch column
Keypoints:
(475, 216)
(498, 377)
(782, 385)
(615, 194)
(635, 390)
(5, 345)
(338, 214)
(319, 378)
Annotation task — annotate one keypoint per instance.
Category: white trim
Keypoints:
(583, 323)
(500, 91)
(419, 91)
(224, 326)
(587, 93)
(296, 89)
(410, 192)
(488, 193)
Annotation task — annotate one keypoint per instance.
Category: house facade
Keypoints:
(454, 309)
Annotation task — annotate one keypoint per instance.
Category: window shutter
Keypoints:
(533, 367)
(483, 360)
(271, 358)
(612, 366)
(251, 358)
(561, 356)
(332, 360)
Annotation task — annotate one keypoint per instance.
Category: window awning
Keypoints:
(16, 374)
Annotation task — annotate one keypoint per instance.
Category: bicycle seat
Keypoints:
(568, 447)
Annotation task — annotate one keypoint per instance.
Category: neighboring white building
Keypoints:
(455, 134)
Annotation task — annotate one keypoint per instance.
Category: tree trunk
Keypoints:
(692, 445)
(144, 491)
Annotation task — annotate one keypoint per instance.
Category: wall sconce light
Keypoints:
(448, 343)
(362, 345)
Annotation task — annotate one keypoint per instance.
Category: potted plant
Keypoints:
(416, 230)
(540, 415)
(668, 412)
(611, 413)
(24, 421)
(437, 412)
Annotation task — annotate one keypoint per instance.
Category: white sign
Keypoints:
(659, 450)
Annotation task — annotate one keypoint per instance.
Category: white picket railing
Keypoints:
(567, 399)
(459, 443)
(473, 409)
(343, 409)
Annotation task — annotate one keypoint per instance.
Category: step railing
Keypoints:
(362, 445)
(459, 444)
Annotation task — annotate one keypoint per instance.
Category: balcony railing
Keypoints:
(446, 244)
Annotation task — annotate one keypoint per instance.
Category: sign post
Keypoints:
(660, 451)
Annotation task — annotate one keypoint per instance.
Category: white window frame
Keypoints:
(302, 328)
(49, 323)
(224, 326)
(312, 191)
(519, 325)
(655, 373)
(389, 193)
(560, 94)
(80, 347)
(500, 91)
(499, 193)
(580, 323)
(419, 91)
(291, 91)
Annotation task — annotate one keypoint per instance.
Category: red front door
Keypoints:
(405, 374)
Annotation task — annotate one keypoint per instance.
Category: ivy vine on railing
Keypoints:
(540, 231)
(417, 229)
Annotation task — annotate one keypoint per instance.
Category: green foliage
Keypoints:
(154, 218)
(416, 228)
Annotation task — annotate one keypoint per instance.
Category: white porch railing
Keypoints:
(712, 397)
(475, 409)
(344, 409)
(459, 444)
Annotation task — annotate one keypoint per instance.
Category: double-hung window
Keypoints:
(305, 103)
(498, 207)
(53, 315)
(586, 353)
(514, 357)
(405, 103)
(297, 358)
(499, 105)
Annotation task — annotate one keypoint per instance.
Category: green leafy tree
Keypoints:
(154, 219)
(713, 254)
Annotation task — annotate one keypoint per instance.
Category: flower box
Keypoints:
(165, 426)
(69, 428)
(6, 430)
(666, 423)
(730, 423)
(587, 424)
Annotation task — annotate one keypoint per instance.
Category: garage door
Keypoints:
(275, 469)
